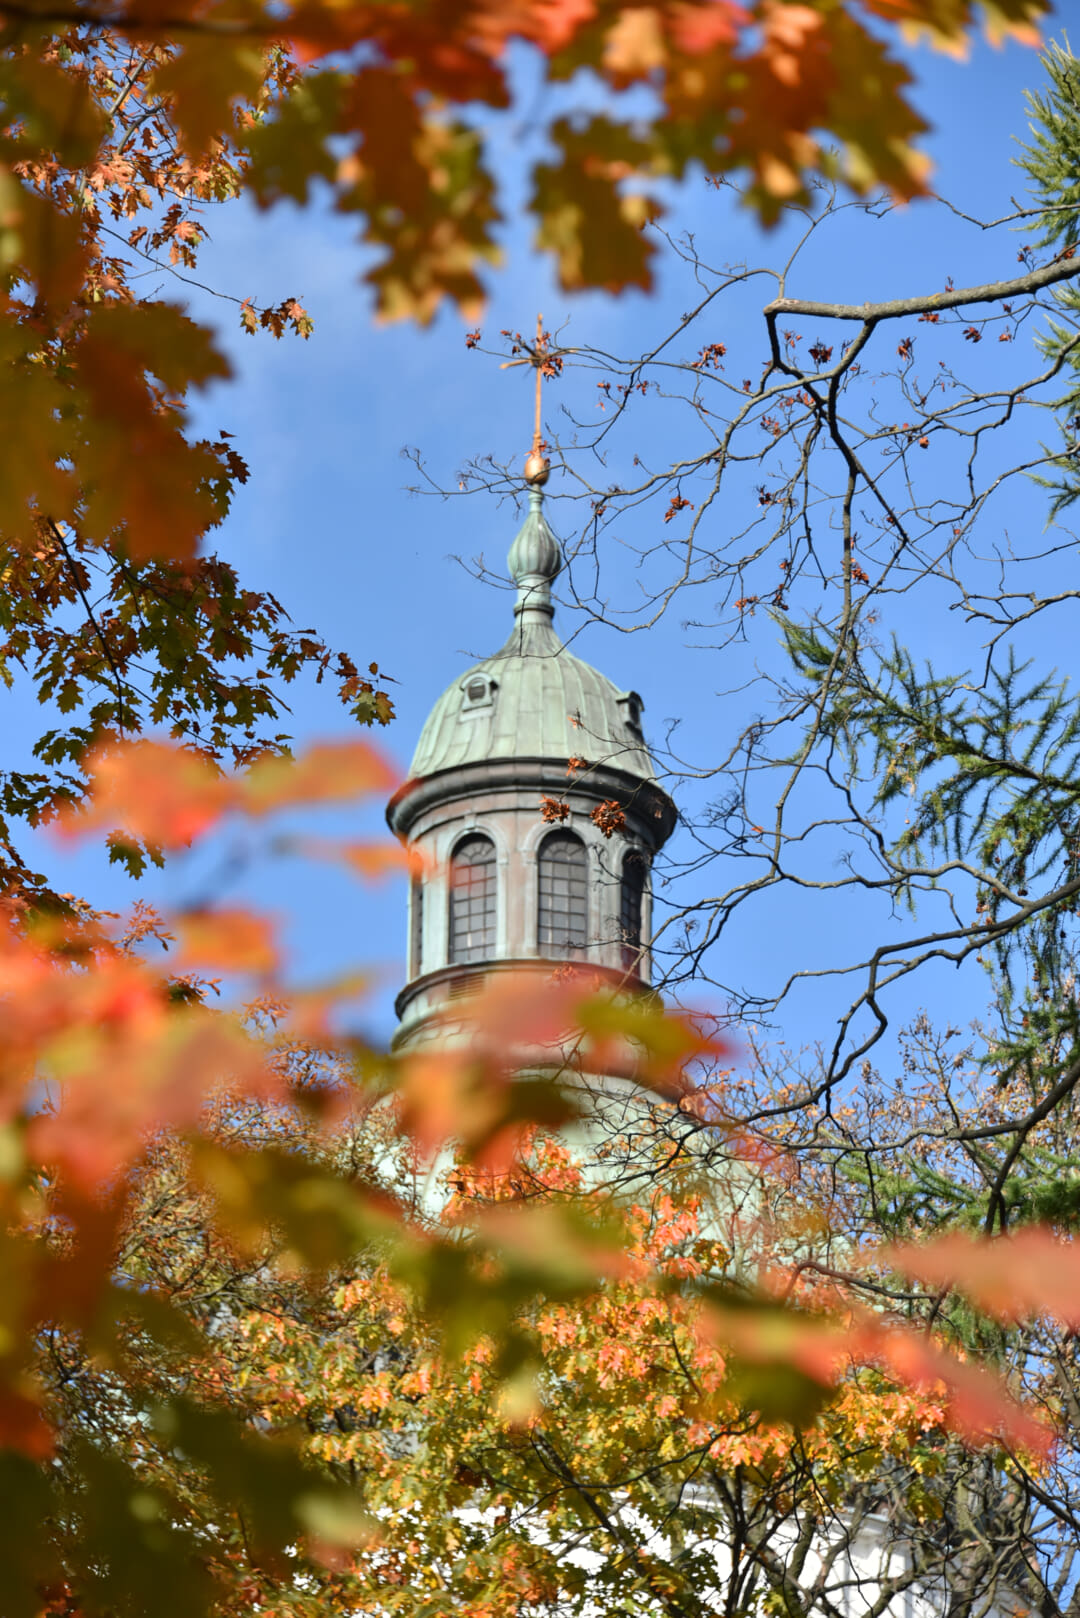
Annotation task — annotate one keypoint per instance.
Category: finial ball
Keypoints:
(537, 468)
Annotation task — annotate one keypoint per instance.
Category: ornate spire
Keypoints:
(535, 559)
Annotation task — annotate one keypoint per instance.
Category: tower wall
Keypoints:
(501, 800)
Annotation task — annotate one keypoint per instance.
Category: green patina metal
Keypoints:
(533, 698)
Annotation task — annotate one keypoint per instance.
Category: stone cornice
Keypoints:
(649, 810)
(471, 977)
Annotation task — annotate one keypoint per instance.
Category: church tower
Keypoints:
(506, 886)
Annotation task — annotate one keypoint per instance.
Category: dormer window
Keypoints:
(479, 692)
(630, 706)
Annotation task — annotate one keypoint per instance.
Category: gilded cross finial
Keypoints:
(546, 361)
(537, 465)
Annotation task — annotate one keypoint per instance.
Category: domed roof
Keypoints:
(533, 698)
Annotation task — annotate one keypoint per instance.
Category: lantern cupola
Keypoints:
(534, 803)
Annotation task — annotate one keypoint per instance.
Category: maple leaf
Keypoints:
(56, 111)
(436, 250)
(377, 860)
(585, 218)
(156, 793)
(289, 149)
(203, 79)
(43, 241)
(634, 45)
(141, 475)
(24, 1428)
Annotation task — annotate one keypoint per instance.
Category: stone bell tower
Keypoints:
(504, 888)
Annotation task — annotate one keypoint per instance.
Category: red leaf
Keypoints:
(1033, 1272)
(23, 1426)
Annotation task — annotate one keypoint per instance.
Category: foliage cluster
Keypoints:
(292, 1326)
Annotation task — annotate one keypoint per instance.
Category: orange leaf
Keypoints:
(129, 1066)
(979, 1404)
(42, 240)
(375, 860)
(163, 794)
(1033, 1272)
(235, 940)
(370, 860)
(329, 772)
(441, 1100)
(635, 44)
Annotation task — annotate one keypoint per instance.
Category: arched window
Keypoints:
(632, 894)
(564, 895)
(472, 900)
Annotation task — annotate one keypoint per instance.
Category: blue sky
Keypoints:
(327, 522)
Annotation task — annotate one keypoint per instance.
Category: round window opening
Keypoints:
(475, 690)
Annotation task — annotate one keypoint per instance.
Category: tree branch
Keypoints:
(1063, 268)
(106, 649)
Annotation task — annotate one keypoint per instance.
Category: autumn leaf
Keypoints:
(585, 218)
(230, 939)
(159, 794)
(328, 772)
(977, 1403)
(144, 1066)
(32, 441)
(203, 80)
(375, 860)
(1034, 1271)
(437, 251)
(634, 46)
(980, 1406)
(141, 476)
(380, 106)
(289, 147)
(41, 243)
(23, 1426)
(947, 26)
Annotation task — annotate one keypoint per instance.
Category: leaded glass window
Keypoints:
(564, 895)
(472, 901)
(630, 906)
